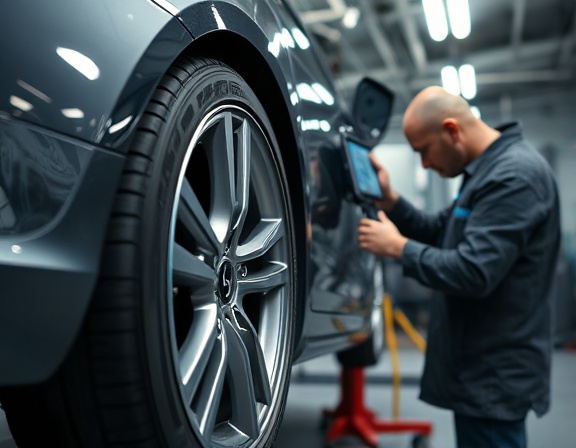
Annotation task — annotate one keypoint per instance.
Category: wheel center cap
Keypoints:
(226, 281)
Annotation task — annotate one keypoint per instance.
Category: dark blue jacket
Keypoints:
(491, 257)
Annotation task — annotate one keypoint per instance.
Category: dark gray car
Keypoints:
(176, 228)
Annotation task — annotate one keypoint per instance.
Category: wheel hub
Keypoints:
(226, 282)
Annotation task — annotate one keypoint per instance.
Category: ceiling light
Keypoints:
(351, 17)
(73, 113)
(286, 39)
(300, 38)
(450, 80)
(323, 93)
(120, 125)
(459, 15)
(436, 19)
(307, 93)
(82, 63)
(21, 104)
(467, 76)
(34, 91)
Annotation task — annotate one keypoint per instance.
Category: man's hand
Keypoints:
(381, 237)
(390, 196)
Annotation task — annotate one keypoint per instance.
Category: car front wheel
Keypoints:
(189, 338)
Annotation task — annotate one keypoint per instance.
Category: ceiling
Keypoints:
(519, 48)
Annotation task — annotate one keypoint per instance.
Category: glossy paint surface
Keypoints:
(81, 73)
(79, 67)
(50, 250)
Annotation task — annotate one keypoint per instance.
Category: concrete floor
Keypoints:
(315, 388)
(306, 400)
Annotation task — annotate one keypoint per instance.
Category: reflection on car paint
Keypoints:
(287, 39)
(80, 62)
(37, 173)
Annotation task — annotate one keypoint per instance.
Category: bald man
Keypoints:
(490, 258)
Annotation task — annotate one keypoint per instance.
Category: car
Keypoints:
(176, 223)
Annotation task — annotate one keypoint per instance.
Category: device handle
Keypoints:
(370, 211)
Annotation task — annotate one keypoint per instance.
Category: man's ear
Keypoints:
(451, 127)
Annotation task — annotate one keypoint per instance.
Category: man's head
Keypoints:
(444, 131)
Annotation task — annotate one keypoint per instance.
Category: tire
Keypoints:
(189, 338)
(368, 352)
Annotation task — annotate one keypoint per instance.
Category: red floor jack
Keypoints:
(351, 417)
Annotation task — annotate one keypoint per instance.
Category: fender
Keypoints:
(79, 76)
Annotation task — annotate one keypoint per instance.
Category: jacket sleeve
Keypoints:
(416, 224)
(495, 233)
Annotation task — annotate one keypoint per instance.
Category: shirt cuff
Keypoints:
(411, 257)
(399, 209)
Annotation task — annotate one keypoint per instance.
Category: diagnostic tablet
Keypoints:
(363, 176)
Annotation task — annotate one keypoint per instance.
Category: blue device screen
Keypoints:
(366, 177)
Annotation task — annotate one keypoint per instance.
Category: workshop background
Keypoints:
(513, 60)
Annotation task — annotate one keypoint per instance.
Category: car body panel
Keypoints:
(46, 95)
(49, 266)
(75, 66)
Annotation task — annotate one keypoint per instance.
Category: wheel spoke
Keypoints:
(244, 416)
(257, 363)
(274, 275)
(196, 350)
(189, 270)
(242, 178)
(192, 216)
(230, 244)
(213, 384)
(223, 176)
(260, 240)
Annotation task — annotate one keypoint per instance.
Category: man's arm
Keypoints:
(417, 224)
(496, 232)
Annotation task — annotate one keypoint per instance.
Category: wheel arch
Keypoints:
(238, 53)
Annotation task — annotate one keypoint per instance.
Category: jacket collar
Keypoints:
(510, 133)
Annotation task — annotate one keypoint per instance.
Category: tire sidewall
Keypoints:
(209, 88)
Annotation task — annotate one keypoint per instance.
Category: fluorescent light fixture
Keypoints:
(436, 19)
(286, 39)
(21, 104)
(351, 17)
(307, 93)
(459, 15)
(82, 63)
(300, 39)
(467, 76)
(73, 113)
(37, 93)
(274, 44)
(450, 80)
(294, 98)
(120, 125)
(315, 125)
(323, 93)
(218, 18)
(325, 126)
(461, 81)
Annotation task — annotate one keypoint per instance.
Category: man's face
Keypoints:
(439, 151)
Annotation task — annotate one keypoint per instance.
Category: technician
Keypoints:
(490, 257)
